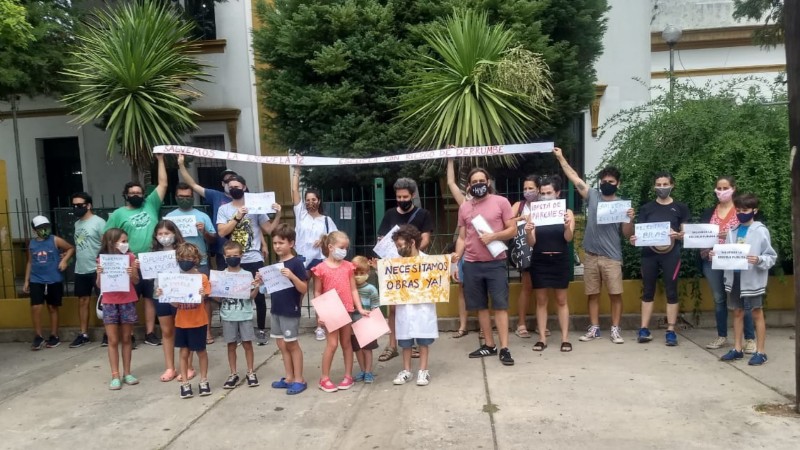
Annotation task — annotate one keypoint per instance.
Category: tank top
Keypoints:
(550, 239)
(44, 261)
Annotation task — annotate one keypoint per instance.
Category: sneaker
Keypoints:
(115, 384)
(423, 378)
(644, 336)
(592, 334)
(130, 380)
(186, 391)
(38, 343)
(319, 334)
(252, 379)
(671, 338)
(327, 385)
(718, 342)
(205, 389)
(369, 378)
(749, 346)
(732, 355)
(105, 341)
(346, 383)
(152, 339)
(484, 350)
(262, 338)
(53, 341)
(758, 359)
(359, 377)
(402, 377)
(616, 335)
(80, 340)
(505, 357)
(231, 382)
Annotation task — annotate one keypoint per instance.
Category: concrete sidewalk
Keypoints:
(600, 396)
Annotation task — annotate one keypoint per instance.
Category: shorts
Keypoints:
(85, 284)
(549, 270)
(41, 293)
(145, 288)
(192, 338)
(735, 299)
(284, 327)
(599, 270)
(119, 314)
(460, 268)
(163, 309)
(484, 279)
(238, 331)
(408, 343)
(354, 342)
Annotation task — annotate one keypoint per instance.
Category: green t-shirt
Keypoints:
(87, 244)
(235, 309)
(138, 223)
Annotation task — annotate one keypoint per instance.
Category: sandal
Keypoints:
(296, 388)
(209, 340)
(539, 346)
(460, 333)
(566, 347)
(480, 335)
(522, 332)
(168, 375)
(388, 353)
(415, 352)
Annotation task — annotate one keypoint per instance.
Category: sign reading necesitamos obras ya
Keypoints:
(299, 160)
(421, 279)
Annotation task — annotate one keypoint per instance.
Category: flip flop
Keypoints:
(539, 346)
(281, 384)
(168, 375)
(522, 332)
(296, 388)
(566, 347)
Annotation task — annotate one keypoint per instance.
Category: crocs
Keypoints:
(280, 384)
(296, 388)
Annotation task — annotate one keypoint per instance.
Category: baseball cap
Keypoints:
(39, 221)
(225, 173)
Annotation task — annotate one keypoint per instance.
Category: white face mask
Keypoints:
(545, 198)
(339, 253)
(166, 240)
(123, 247)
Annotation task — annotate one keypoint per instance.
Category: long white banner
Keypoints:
(299, 160)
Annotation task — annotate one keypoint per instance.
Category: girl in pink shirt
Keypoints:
(337, 274)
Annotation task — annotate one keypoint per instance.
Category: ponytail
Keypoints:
(330, 239)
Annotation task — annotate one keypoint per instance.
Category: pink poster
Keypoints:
(331, 311)
(370, 328)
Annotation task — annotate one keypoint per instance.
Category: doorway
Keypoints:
(62, 169)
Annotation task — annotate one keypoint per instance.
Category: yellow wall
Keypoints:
(6, 243)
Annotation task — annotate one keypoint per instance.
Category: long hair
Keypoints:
(108, 243)
(169, 225)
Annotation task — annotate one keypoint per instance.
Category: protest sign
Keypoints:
(385, 247)
(520, 251)
(330, 310)
(421, 279)
(115, 276)
(260, 203)
(652, 234)
(730, 257)
(700, 235)
(180, 287)
(368, 329)
(153, 263)
(548, 212)
(273, 279)
(613, 212)
(236, 285)
(186, 224)
(482, 226)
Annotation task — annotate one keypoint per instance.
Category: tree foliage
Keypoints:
(770, 11)
(14, 27)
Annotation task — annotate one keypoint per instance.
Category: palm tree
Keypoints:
(475, 87)
(132, 70)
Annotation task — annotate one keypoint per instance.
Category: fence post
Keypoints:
(380, 201)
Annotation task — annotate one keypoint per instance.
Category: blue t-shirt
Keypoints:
(198, 240)
(44, 261)
(741, 234)
(287, 302)
(215, 199)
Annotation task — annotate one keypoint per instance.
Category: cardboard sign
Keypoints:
(153, 263)
(180, 287)
(115, 276)
(236, 285)
(521, 251)
(652, 234)
(385, 247)
(331, 311)
(260, 203)
(273, 279)
(700, 235)
(730, 257)
(370, 328)
(187, 224)
(548, 212)
(422, 279)
(482, 226)
(613, 212)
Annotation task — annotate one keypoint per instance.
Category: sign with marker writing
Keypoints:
(180, 287)
(613, 212)
(385, 247)
(260, 203)
(273, 279)
(153, 263)
(700, 235)
(421, 279)
(187, 224)
(652, 234)
(548, 212)
(730, 257)
(234, 285)
(115, 276)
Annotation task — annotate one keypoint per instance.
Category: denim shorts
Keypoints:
(408, 343)
(120, 314)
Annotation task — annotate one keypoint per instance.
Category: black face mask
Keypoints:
(405, 205)
(236, 193)
(479, 190)
(233, 261)
(79, 211)
(186, 265)
(135, 200)
(608, 188)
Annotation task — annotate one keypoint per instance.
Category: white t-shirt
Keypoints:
(309, 230)
(416, 321)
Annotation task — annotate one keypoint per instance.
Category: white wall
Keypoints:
(694, 14)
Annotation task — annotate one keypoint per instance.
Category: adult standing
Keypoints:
(238, 225)
(88, 234)
(724, 215)
(310, 226)
(405, 189)
(484, 272)
(666, 259)
(602, 247)
(521, 210)
(138, 219)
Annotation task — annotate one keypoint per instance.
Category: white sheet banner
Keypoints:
(299, 160)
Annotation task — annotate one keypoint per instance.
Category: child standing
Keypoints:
(286, 311)
(237, 320)
(48, 256)
(415, 323)
(746, 288)
(119, 309)
(191, 322)
(336, 273)
(368, 294)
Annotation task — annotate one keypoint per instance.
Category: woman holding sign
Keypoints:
(550, 264)
(656, 233)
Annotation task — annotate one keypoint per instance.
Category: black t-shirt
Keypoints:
(287, 302)
(422, 220)
(676, 213)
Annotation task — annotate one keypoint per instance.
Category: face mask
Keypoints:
(233, 261)
(608, 189)
(404, 251)
(186, 265)
(166, 240)
(663, 192)
(531, 196)
(185, 203)
(339, 253)
(135, 200)
(123, 247)
(479, 190)
(79, 211)
(236, 193)
(43, 233)
(405, 205)
(312, 207)
(545, 198)
(745, 217)
(724, 196)
(361, 279)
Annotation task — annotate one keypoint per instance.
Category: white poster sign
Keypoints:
(180, 287)
(235, 285)
(187, 224)
(273, 279)
(482, 226)
(548, 212)
(730, 257)
(153, 263)
(700, 235)
(115, 276)
(385, 247)
(652, 234)
(260, 203)
(613, 212)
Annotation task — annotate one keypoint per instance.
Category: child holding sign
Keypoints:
(368, 295)
(119, 309)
